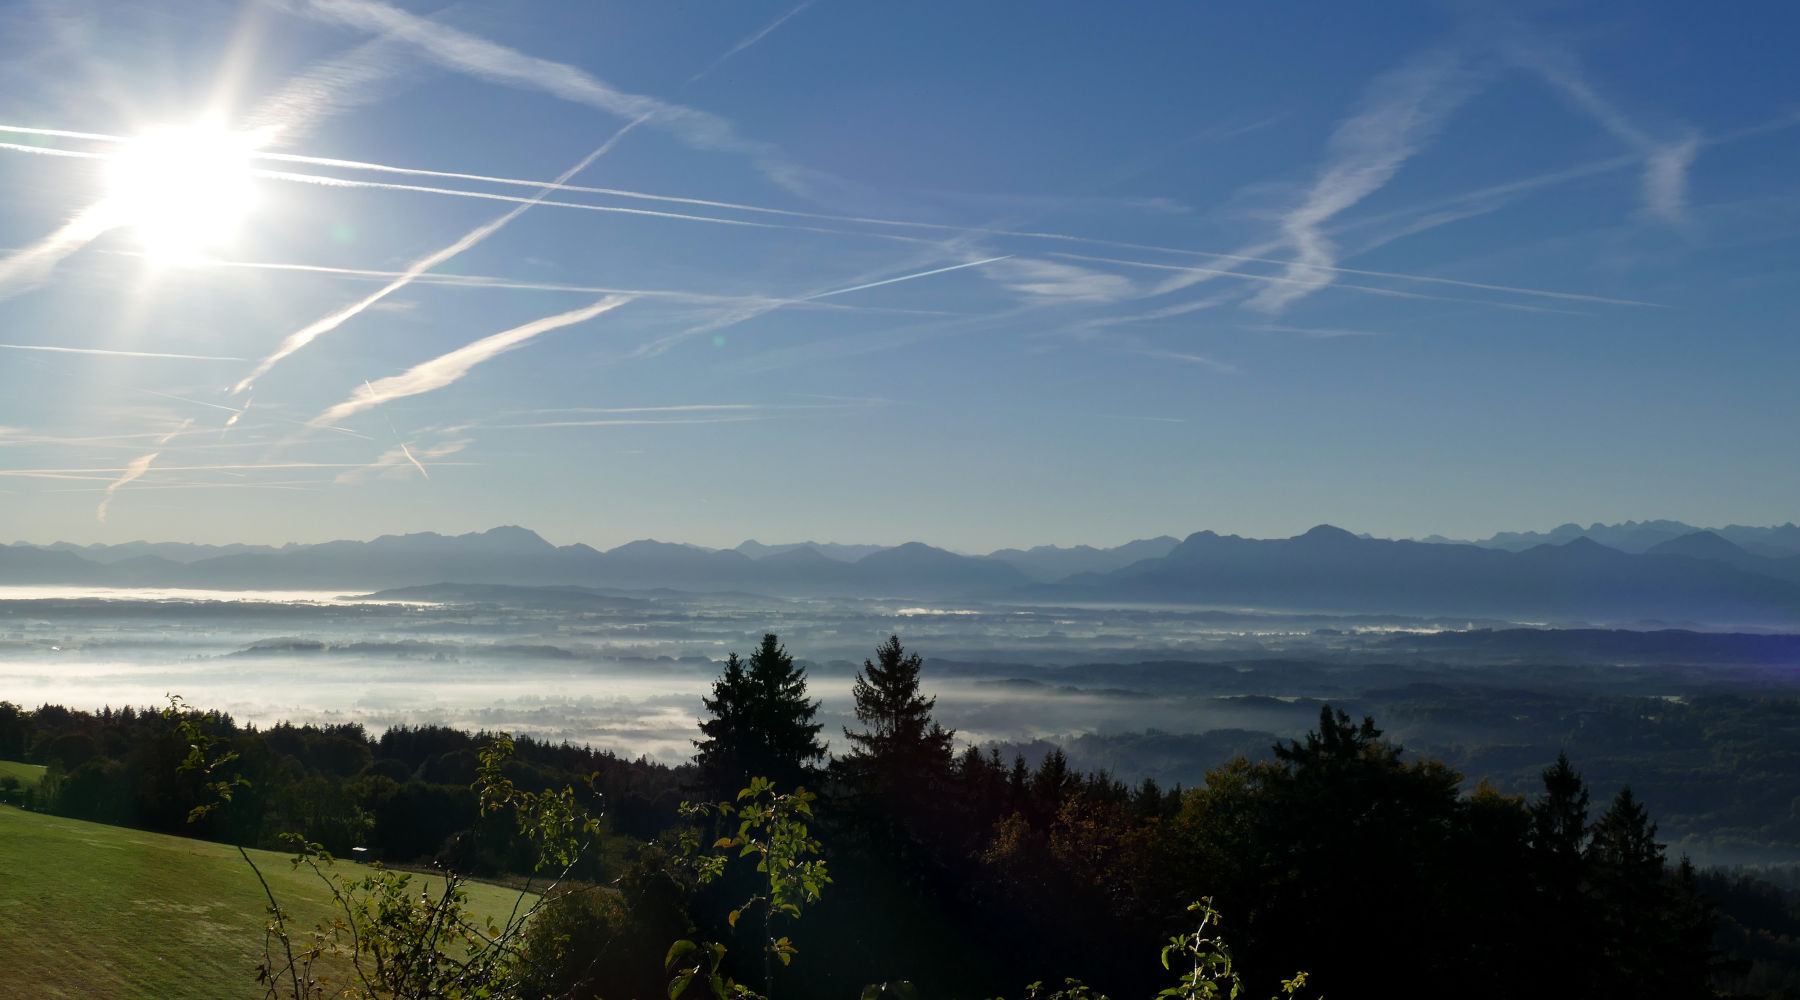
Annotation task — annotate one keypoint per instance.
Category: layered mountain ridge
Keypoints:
(1698, 576)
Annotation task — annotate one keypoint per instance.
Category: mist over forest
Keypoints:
(1163, 689)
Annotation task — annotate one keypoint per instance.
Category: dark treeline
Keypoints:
(403, 797)
(969, 874)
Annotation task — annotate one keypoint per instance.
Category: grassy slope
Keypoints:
(99, 911)
(28, 774)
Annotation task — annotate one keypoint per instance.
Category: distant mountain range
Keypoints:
(1697, 576)
(1693, 578)
(1638, 537)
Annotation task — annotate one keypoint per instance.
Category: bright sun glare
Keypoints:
(182, 190)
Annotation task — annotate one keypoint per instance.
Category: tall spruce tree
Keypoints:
(762, 724)
(897, 716)
(902, 757)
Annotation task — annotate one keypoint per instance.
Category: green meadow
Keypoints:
(27, 774)
(99, 911)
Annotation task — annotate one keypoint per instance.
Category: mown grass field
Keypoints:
(28, 774)
(99, 911)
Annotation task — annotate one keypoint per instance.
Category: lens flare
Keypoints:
(182, 190)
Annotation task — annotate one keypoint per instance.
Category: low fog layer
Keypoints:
(1141, 692)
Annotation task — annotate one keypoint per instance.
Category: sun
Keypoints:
(182, 190)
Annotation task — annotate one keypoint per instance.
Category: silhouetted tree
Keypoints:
(900, 735)
(762, 723)
(899, 765)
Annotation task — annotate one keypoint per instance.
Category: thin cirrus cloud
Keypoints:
(1318, 332)
(1665, 161)
(448, 368)
(1186, 358)
(1052, 281)
(467, 53)
(136, 468)
(1400, 112)
(28, 267)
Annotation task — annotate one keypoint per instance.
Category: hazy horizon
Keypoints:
(982, 550)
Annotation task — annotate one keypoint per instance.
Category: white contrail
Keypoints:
(323, 181)
(74, 154)
(28, 267)
(445, 369)
(1665, 171)
(619, 423)
(304, 485)
(112, 471)
(404, 450)
(409, 457)
(482, 281)
(1276, 279)
(137, 467)
(61, 133)
(305, 336)
(114, 354)
(683, 408)
(748, 41)
(904, 277)
(751, 312)
(1479, 285)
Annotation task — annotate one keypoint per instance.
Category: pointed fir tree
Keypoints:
(762, 724)
(900, 761)
(898, 722)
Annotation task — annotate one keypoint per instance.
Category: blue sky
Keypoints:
(974, 274)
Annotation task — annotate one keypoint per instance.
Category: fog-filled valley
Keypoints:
(1162, 692)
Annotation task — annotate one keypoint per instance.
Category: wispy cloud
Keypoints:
(1400, 112)
(445, 369)
(1666, 160)
(1318, 332)
(467, 53)
(27, 268)
(325, 90)
(307, 334)
(1057, 282)
(107, 352)
(1186, 358)
(134, 470)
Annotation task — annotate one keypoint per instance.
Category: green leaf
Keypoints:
(678, 951)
